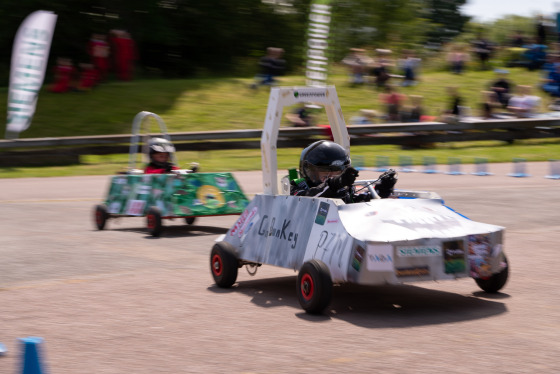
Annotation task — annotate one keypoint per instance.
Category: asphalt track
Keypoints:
(119, 301)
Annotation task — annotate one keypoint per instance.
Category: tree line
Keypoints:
(181, 38)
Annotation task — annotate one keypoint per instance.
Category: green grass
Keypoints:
(220, 104)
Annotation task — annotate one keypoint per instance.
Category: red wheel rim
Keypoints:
(217, 266)
(151, 221)
(307, 287)
(98, 217)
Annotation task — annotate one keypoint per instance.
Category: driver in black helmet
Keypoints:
(326, 171)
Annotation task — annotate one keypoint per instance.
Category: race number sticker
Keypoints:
(380, 257)
(135, 207)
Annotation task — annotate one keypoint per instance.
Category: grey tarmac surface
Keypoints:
(119, 301)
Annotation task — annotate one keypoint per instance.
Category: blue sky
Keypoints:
(488, 10)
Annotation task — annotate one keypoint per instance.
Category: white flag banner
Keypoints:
(30, 55)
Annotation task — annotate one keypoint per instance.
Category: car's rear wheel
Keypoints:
(153, 221)
(190, 220)
(496, 281)
(224, 264)
(100, 215)
(314, 287)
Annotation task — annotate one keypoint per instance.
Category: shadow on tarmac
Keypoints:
(176, 231)
(388, 306)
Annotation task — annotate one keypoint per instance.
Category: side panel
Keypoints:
(196, 194)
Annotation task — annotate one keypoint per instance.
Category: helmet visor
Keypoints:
(319, 174)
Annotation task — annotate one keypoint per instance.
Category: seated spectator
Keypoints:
(489, 104)
(393, 102)
(366, 117)
(502, 87)
(552, 82)
(413, 112)
(453, 112)
(523, 104)
(301, 116)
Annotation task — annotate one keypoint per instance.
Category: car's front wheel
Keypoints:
(314, 287)
(223, 264)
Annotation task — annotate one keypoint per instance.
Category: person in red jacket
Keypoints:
(160, 157)
(98, 49)
(64, 76)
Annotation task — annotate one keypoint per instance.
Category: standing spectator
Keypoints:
(540, 31)
(409, 65)
(381, 67)
(357, 63)
(271, 66)
(98, 49)
(483, 49)
(64, 73)
(457, 58)
(124, 52)
(502, 87)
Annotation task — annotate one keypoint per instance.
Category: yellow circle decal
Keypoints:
(210, 196)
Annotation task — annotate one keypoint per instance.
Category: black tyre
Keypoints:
(153, 221)
(190, 220)
(100, 216)
(314, 286)
(496, 281)
(223, 264)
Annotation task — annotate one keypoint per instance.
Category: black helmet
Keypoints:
(322, 156)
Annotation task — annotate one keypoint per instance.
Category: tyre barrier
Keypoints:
(554, 169)
(519, 168)
(481, 166)
(31, 363)
(454, 166)
(405, 163)
(430, 166)
(381, 163)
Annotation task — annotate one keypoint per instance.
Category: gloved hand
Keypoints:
(168, 168)
(387, 181)
(346, 179)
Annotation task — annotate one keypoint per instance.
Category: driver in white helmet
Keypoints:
(160, 157)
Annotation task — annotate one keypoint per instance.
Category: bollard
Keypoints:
(454, 166)
(31, 363)
(381, 163)
(406, 164)
(430, 165)
(519, 168)
(554, 169)
(481, 166)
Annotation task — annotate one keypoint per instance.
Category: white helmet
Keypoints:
(160, 145)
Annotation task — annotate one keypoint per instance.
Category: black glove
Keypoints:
(346, 179)
(168, 168)
(387, 181)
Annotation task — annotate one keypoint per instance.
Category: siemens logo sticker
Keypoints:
(419, 251)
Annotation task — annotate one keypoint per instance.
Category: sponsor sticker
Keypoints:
(322, 213)
(454, 256)
(419, 251)
(380, 257)
(413, 271)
